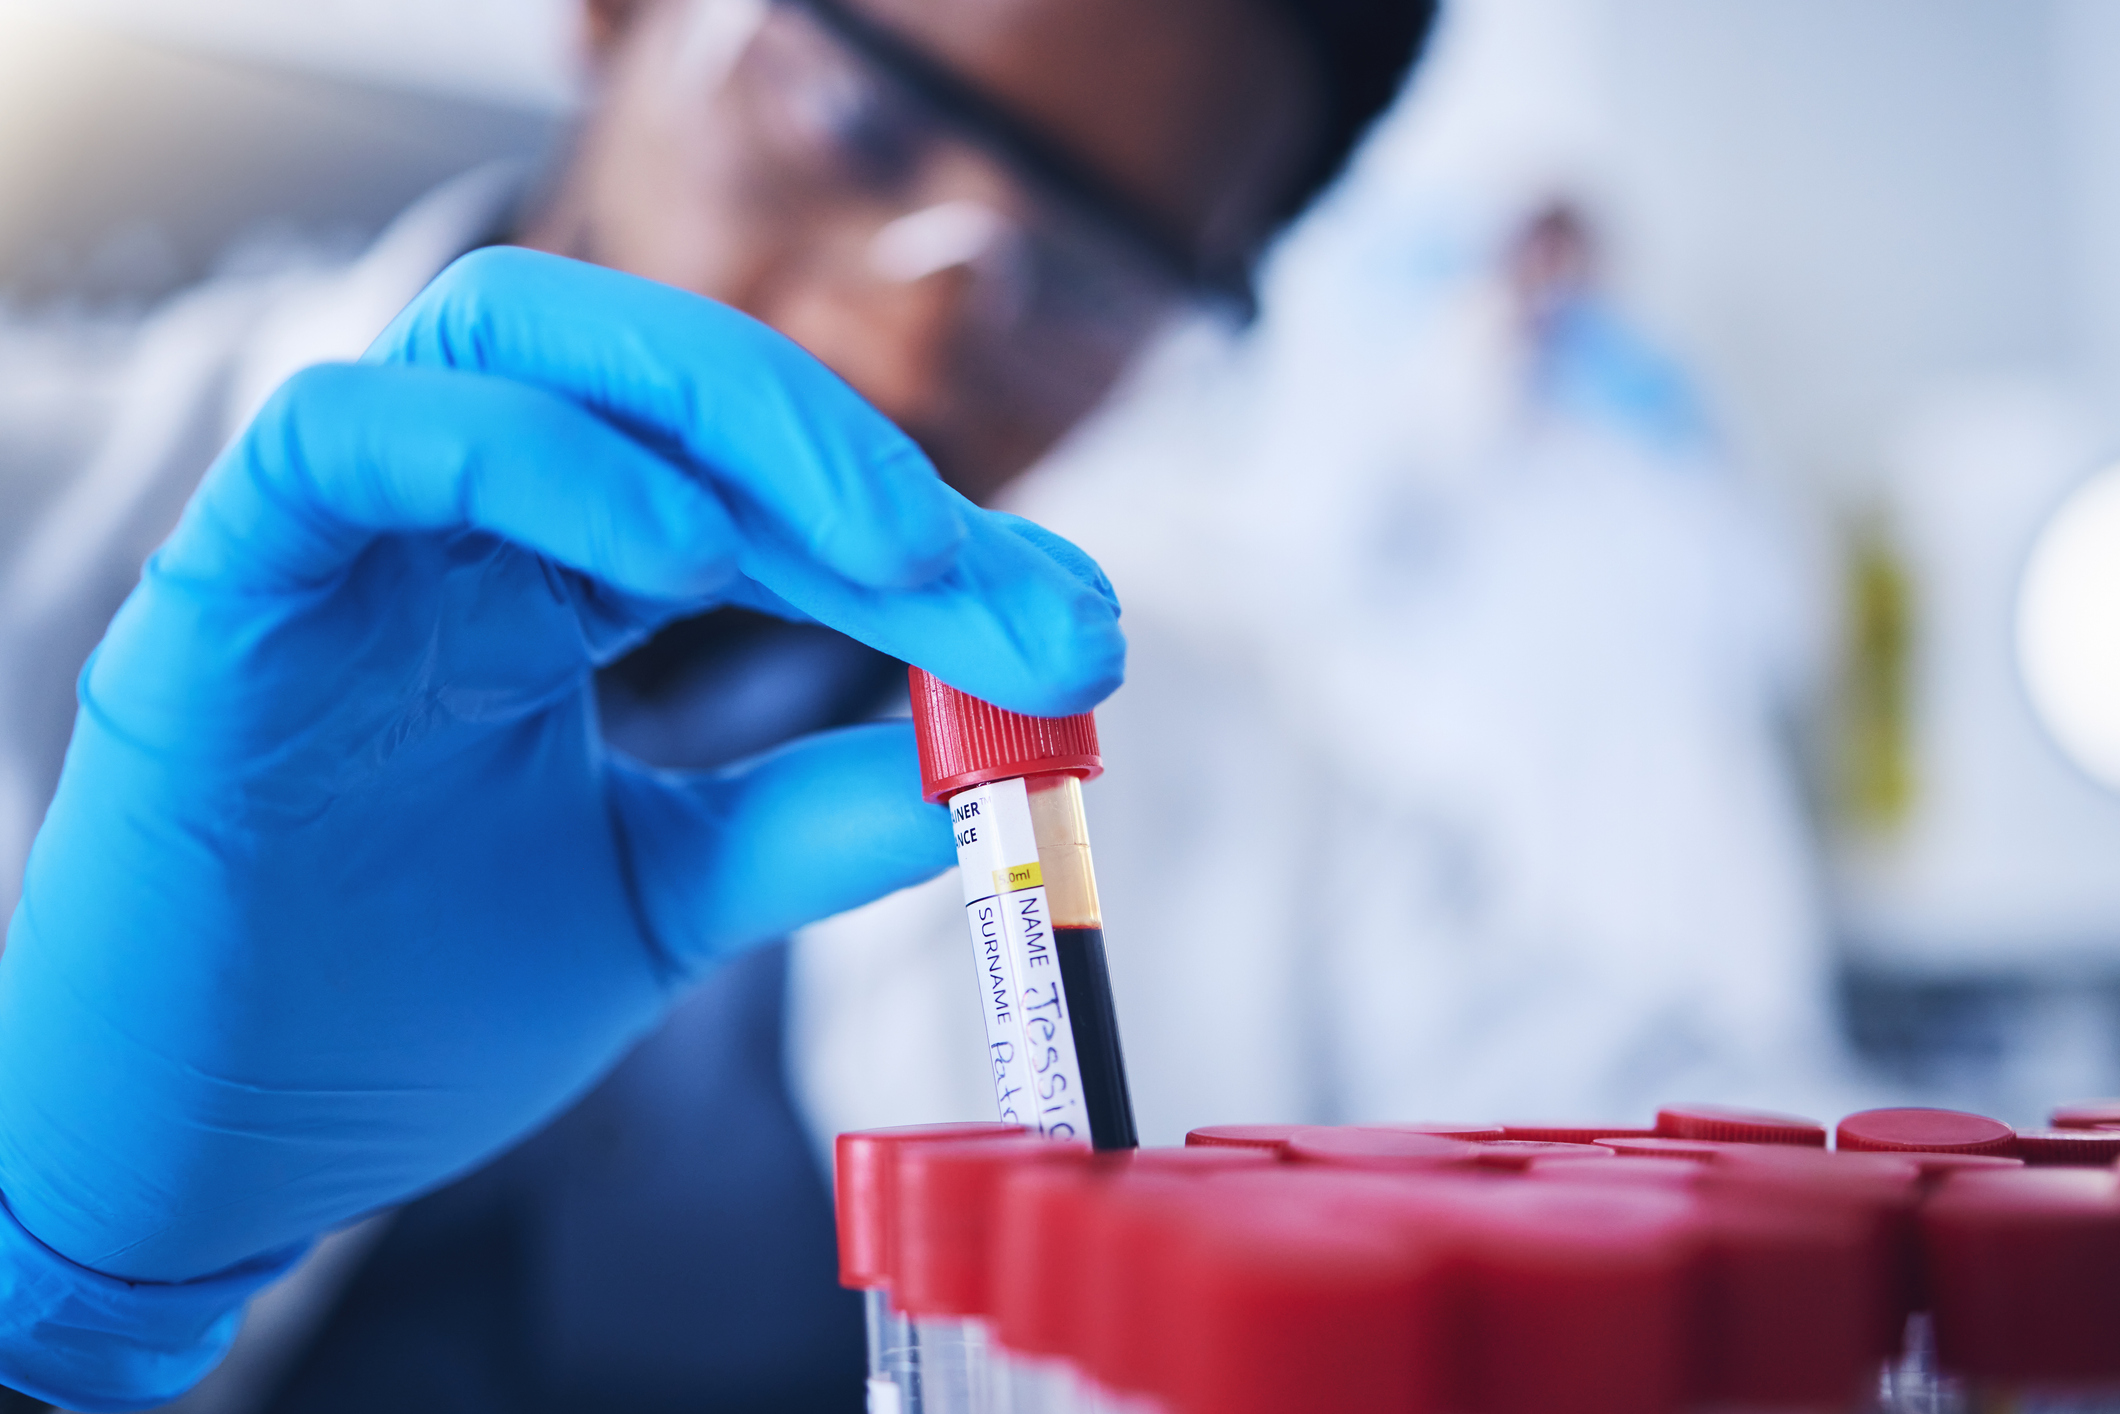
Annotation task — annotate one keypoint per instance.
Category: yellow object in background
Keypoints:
(1877, 786)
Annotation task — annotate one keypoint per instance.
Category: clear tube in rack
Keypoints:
(864, 1178)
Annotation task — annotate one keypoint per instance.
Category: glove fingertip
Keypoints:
(1065, 553)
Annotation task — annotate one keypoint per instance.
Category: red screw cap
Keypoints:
(1622, 1171)
(1518, 1155)
(863, 1170)
(1698, 1150)
(1134, 1228)
(1242, 1136)
(2025, 1271)
(2086, 1114)
(1827, 1165)
(1038, 1272)
(1927, 1131)
(948, 1212)
(1351, 1198)
(1789, 1299)
(1936, 1167)
(1365, 1148)
(1729, 1125)
(1579, 1298)
(1279, 1315)
(2083, 1148)
(1879, 1191)
(1571, 1133)
(964, 741)
(1447, 1129)
(1191, 1160)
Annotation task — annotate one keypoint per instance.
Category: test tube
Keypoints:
(1039, 1273)
(949, 1215)
(1013, 785)
(864, 1182)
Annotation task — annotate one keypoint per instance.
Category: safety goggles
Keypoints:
(950, 103)
(856, 130)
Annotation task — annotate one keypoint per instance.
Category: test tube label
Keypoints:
(1030, 1037)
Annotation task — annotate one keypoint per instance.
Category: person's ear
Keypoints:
(604, 21)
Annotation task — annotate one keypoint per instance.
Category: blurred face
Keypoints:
(780, 162)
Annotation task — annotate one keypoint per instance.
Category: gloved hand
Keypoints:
(340, 894)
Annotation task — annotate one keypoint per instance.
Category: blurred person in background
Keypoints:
(976, 214)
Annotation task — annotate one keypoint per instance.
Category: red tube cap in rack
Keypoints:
(1134, 1231)
(949, 1214)
(1904, 1167)
(1697, 1150)
(863, 1170)
(1274, 1316)
(2025, 1271)
(1180, 1161)
(1621, 1171)
(1880, 1192)
(1579, 1298)
(1037, 1272)
(1366, 1148)
(1521, 1154)
(1446, 1129)
(1242, 1136)
(1789, 1297)
(2076, 1148)
(2086, 1114)
(1568, 1132)
(1925, 1131)
(963, 741)
(1936, 1167)
(1729, 1125)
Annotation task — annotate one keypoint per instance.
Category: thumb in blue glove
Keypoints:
(340, 894)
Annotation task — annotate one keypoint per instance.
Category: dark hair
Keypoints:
(1363, 50)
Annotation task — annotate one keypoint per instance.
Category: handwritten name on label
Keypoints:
(1048, 1030)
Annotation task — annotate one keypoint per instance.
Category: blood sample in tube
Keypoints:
(1013, 785)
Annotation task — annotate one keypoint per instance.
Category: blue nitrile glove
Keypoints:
(340, 894)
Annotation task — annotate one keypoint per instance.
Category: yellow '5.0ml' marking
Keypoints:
(1018, 876)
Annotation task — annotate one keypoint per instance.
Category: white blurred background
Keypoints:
(1884, 238)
